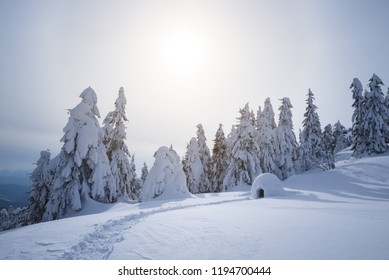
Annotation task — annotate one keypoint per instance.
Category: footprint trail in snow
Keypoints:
(99, 244)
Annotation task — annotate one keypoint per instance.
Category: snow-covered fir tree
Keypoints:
(267, 140)
(135, 184)
(194, 169)
(244, 164)
(220, 160)
(358, 119)
(349, 137)
(117, 150)
(311, 145)
(166, 177)
(231, 138)
(4, 219)
(285, 140)
(328, 138)
(329, 146)
(339, 134)
(40, 189)
(258, 118)
(144, 173)
(13, 218)
(205, 157)
(81, 170)
(375, 124)
(387, 115)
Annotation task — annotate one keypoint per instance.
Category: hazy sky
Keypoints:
(181, 63)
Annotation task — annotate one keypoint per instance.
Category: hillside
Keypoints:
(336, 214)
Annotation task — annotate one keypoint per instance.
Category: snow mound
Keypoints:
(166, 178)
(269, 183)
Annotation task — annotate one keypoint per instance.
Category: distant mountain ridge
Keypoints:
(14, 188)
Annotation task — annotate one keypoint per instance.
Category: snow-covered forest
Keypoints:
(95, 164)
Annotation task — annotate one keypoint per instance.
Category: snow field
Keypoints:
(336, 214)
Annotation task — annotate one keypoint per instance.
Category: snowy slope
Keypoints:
(336, 214)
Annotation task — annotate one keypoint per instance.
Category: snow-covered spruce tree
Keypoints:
(40, 189)
(329, 146)
(299, 163)
(339, 134)
(117, 151)
(387, 115)
(244, 164)
(267, 140)
(349, 137)
(4, 219)
(166, 177)
(375, 127)
(231, 138)
(144, 173)
(135, 183)
(193, 168)
(312, 152)
(328, 138)
(358, 119)
(13, 218)
(205, 157)
(39, 196)
(81, 170)
(258, 118)
(219, 160)
(285, 141)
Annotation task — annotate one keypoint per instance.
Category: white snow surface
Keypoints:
(336, 214)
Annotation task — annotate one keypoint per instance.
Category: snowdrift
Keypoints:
(166, 178)
(268, 183)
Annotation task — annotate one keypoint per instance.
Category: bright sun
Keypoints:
(183, 54)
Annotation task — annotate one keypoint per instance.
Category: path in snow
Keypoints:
(100, 243)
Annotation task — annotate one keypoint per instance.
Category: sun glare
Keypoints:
(183, 54)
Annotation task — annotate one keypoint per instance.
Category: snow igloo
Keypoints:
(266, 185)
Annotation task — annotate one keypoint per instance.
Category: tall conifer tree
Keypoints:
(194, 169)
(267, 140)
(81, 171)
(205, 157)
(358, 118)
(339, 134)
(329, 146)
(219, 160)
(312, 152)
(40, 190)
(375, 125)
(285, 140)
(244, 165)
(117, 151)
